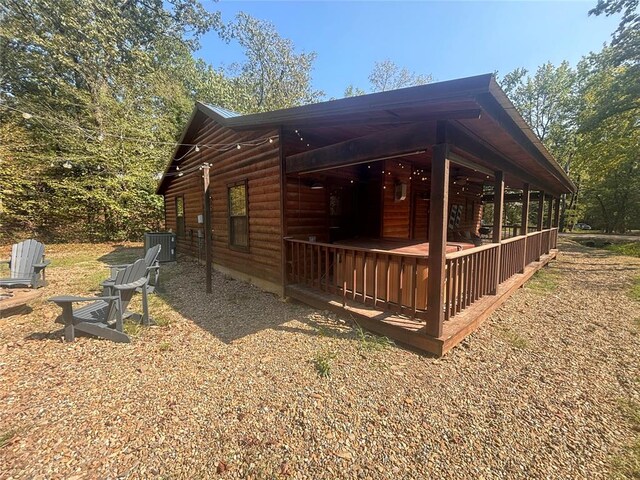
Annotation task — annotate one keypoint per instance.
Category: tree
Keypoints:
(273, 76)
(547, 101)
(608, 154)
(386, 75)
(91, 79)
(624, 53)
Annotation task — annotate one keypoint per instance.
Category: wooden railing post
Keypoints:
(556, 213)
(439, 201)
(525, 222)
(540, 210)
(549, 212)
(498, 207)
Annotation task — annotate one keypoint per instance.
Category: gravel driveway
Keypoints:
(228, 387)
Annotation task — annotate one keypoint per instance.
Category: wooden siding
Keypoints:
(260, 167)
(396, 218)
(306, 210)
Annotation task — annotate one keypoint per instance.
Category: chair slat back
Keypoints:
(152, 255)
(132, 273)
(24, 256)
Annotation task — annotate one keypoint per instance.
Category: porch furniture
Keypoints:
(26, 266)
(13, 300)
(153, 266)
(103, 317)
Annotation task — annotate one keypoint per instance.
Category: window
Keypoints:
(180, 216)
(238, 218)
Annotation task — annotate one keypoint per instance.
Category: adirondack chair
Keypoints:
(27, 265)
(153, 271)
(103, 317)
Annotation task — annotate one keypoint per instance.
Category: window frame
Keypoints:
(231, 245)
(178, 217)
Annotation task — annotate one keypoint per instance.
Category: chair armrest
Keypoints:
(42, 265)
(71, 299)
(154, 267)
(131, 286)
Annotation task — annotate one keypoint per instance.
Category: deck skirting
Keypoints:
(412, 332)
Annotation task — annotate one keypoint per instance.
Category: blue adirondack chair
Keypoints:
(104, 316)
(27, 265)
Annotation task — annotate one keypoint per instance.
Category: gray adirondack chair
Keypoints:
(103, 317)
(153, 271)
(27, 265)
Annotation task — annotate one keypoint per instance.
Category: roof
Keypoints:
(501, 127)
(223, 112)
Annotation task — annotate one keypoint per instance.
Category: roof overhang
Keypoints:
(499, 126)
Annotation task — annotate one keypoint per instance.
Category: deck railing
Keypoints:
(384, 280)
(469, 275)
(397, 282)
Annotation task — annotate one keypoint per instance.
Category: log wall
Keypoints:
(259, 166)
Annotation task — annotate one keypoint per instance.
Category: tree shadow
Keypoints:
(237, 309)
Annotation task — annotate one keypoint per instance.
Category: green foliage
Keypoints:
(631, 249)
(543, 281)
(514, 339)
(386, 75)
(107, 87)
(369, 342)
(273, 76)
(322, 363)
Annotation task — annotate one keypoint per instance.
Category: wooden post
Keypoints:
(525, 222)
(540, 210)
(549, 212)
(438, 220)
(556, 214)
(207, 224)
(498, 208)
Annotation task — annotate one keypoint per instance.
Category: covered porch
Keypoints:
(383, 215)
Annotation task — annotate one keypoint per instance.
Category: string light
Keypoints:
(121, 137)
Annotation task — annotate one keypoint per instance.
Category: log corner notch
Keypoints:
(438, 204)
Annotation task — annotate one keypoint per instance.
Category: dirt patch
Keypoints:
(240, 384)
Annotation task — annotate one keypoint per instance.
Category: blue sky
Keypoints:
(446, 39)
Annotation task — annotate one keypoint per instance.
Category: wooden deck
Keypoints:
(411, 332)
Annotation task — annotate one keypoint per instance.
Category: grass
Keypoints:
(132, 328)
(631, 249)
(626, 465)
(322, 362)
(164, 346)
(6, 437)
(514, 339)
(370, 342)
(543, 281)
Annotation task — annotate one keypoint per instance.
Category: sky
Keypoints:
(445, 39)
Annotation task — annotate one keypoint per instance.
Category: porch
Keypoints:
(385, 289)
(417, 212)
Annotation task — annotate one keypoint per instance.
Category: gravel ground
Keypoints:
(228, 385)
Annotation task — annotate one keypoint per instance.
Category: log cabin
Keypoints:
(372, 205)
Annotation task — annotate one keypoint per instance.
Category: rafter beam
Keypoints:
(458, 138)
(394, 141)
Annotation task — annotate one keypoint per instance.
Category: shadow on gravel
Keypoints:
(236, 309)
